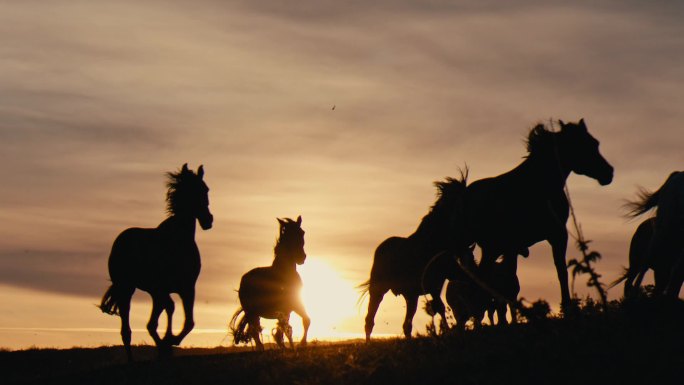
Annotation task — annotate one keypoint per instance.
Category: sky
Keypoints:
(99, 99)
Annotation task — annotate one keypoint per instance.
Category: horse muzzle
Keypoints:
(301, 259)
(206, 221)
(607, 177)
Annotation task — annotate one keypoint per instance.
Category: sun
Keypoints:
(330, 300)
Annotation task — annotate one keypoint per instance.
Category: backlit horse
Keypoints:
(666, 248)
(639, 261)
(511, 212)
(273, 292)
(420, 263)
(468, 298)
(472, 295)
(161, 260)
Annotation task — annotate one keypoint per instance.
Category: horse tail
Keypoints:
(622, 278)
(238, 327)
(646, 200)
(364, 288)
(109, 303)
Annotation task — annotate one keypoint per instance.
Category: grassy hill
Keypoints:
(638, 343)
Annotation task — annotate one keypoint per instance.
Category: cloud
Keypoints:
(100, 98)
(65, 272)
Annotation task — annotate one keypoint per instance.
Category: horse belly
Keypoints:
(507, 226)
(266, 294)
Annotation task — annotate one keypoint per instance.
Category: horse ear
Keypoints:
(581, 124)
(299, 220)
(282, 222)
(562, 123)
(200, 171)
(184, 168)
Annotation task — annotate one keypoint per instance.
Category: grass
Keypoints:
(637, 342)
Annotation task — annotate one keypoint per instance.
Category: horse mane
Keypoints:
(539, 138)
(646, 200)
(176, 183)
(447, 189)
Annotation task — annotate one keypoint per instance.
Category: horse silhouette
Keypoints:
(420, 263)
(665, 252)
(639, 261)
(471, 296)
(467, 298)
(504, 282)
(512, 211)
(273, 292)
(161, 260)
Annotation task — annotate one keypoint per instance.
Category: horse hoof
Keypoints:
(172, 341)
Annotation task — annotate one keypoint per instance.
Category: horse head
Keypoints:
(189, 195)
(291, 240)
(580, 152)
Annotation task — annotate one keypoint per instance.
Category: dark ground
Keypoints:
(641, 344)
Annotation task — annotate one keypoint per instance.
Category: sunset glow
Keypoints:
(330, 299)
(98, 99)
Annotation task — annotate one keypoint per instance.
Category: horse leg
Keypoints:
(411, 307)
(288, 332)
(501, 308)
(254, 330)
(639, 278)
(633, 280)
(306, 322)
(674, 284)
(439, 308)
(514, 314)
(376, 295)
(124, 303)
(281, 330)
(169, 307)
(659, 255)
(158, 305)
(559, 246)
(188, 298)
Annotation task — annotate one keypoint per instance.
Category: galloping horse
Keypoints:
(421, 262)
(273, 292)
(666, 248)
(162, 260)
(639, 261)
(512, 211)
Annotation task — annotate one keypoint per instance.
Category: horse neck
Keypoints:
(284, 264)
(434, 229)
(179, 225)
(545, 172)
